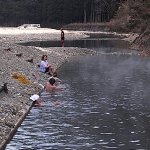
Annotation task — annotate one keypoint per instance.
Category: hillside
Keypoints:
(135, 17)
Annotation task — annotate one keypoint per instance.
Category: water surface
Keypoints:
(98, 42)
(105, 106)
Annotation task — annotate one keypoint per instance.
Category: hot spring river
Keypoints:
(106, 105)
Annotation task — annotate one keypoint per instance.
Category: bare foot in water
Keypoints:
(56, 103)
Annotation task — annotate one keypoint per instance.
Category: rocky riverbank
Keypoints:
(15, 60)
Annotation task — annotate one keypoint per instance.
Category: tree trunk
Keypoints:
(84, 11)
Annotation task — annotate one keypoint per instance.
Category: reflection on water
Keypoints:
(105, 106)
(98, 42)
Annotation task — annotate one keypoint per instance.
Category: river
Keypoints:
(105, 104)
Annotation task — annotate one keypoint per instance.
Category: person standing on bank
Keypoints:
(62, 37)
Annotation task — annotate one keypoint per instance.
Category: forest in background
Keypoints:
(48, 12)
(118, 15)
(127, 16)
(131, 16)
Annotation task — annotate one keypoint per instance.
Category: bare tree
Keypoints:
(84, 11)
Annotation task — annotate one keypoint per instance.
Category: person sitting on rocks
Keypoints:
(50, 85)
(36, 100)
(45, 67)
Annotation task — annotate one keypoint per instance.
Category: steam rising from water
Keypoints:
(106, 106)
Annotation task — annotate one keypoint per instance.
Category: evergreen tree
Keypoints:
(47, 12)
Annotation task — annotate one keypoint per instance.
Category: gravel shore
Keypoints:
(15, 105)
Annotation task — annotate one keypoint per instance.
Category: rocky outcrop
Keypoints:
(142, 43)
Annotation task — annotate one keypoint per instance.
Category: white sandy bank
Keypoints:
(13, 30)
